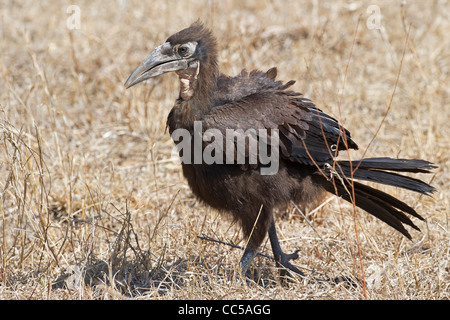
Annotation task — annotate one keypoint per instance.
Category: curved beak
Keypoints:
(160, 61)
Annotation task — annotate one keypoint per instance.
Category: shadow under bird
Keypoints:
(308, 141)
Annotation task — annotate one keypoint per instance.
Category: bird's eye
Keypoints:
(183, 50)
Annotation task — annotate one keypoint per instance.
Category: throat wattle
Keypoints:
(188, 80)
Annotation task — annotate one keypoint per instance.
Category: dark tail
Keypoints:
(376, 202)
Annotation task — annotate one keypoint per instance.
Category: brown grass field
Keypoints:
(93, 201)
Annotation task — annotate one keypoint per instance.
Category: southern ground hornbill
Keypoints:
(282, 148)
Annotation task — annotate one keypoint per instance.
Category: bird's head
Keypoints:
(182, 52)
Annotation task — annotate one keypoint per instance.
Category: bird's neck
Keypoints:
(197, 85)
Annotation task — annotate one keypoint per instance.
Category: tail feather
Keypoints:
(373, 203)
(403, 165)
(378, 170)
(378, 203)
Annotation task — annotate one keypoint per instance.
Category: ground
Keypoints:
(93, 201)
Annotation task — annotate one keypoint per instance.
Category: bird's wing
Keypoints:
(306, 134)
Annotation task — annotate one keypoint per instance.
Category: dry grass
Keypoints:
(94, 206)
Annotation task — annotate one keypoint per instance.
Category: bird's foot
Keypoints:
(283, 261)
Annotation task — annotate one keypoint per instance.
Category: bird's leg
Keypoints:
(281, 258)
(247, 259)
(255, 229)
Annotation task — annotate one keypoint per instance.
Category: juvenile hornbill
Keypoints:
(307, 145)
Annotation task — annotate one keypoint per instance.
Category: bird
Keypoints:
(261, 111)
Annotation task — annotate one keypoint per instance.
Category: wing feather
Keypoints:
(256, 100)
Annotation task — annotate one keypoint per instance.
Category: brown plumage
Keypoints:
(309, 141)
